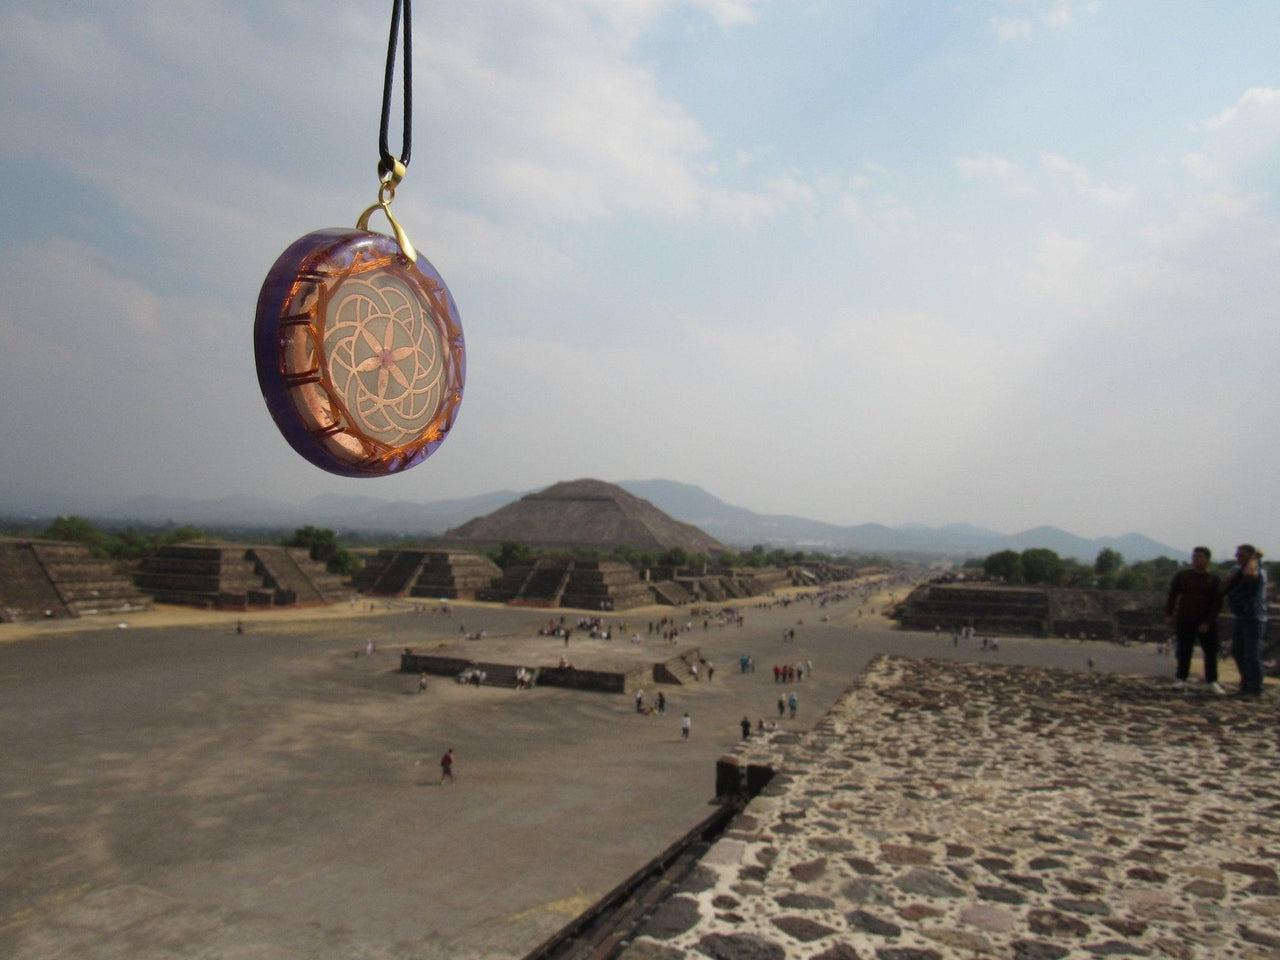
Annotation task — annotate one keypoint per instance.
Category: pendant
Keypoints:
(359, 349)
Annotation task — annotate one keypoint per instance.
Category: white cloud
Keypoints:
(1242, 142)
(1201, 215)
(1015, 20)
(1084, 186)
(1233, 172)
(1011, 30)
(1256, 101)
(868, 202)
(986, 167)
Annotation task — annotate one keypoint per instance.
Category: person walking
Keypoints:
(792, 702)
(1191, 609)
(1245, 587)
(685, 723)
(782, 706)
(662, 702)
(446, 766)
(746, 728)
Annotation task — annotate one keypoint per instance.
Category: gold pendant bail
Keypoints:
(387, 193)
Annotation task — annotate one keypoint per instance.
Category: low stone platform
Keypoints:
(948, 810)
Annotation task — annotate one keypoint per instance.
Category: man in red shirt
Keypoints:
(1195, 595)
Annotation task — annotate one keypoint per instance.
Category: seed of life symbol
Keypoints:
(360, 353)
(385, 357)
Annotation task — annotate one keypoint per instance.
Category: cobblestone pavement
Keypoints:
(946, 810)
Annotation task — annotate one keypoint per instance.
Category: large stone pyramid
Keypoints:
(583, 514)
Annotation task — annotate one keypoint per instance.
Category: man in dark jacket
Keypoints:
(1246, 590)
(1194, 594)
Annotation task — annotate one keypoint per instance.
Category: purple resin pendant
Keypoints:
(360, 353)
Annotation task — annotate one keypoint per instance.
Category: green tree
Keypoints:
(729, 559)
(673, 557)
(1077, 574)
(1005, 565)
(510, 553)
(1132, 578)
(778, 558)
(323, 545)
(78, 530)
(1109, 561)
(1041, 565)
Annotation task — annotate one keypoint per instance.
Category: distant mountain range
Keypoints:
(732, 525)
(741, 527)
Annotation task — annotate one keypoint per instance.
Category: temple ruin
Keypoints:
(45, 579)
(237, 576)
(441, 574)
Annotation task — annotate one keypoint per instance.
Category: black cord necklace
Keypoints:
(386, 162)
(359, 347)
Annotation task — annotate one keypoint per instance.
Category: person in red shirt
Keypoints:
(446, 766)
(1196, 597)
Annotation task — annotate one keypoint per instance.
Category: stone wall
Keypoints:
(602, 681)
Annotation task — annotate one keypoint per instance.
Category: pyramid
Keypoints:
(583, 515)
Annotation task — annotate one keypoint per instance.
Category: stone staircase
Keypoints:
(450, 575)
(545, 584)
(502, 589)
(671, 593)
(399, 574)
(85, 583)
(47, 579)
(26, 591)
(280, 569)
(605, 585)
(236, 577)
(676, 670)
(371, 569)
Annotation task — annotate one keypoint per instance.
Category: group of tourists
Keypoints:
(791, 672)
(659, 704)
(1195, 599)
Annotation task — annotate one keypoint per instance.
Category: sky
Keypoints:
(1003, 262)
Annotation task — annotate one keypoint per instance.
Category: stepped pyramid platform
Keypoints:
(48, 578)
(1010, 611)
(581, 514)
(717, 585)
(584, 584)
(605, 585)
(439, 574)
(238, 577)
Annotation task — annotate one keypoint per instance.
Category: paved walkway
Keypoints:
(187, 791)
(945, 811)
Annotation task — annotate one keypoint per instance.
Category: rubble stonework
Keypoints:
(948, 810)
